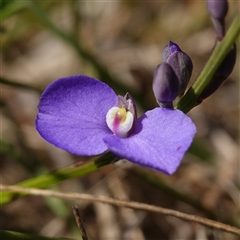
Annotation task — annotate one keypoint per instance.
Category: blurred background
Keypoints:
(120, 43)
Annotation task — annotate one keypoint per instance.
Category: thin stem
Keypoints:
(121, 203)
(59, 175)
(179, 195)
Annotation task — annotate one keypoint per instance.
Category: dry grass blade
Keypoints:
(127, 204)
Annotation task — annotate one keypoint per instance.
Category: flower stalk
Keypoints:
(190, 99)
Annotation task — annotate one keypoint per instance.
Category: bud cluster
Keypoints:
(171, 77)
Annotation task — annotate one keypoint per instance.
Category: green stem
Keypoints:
(59, 175)
(222, 48)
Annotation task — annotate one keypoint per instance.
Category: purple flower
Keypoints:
(85, 117)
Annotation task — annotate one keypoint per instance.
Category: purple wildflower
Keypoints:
(85, 117)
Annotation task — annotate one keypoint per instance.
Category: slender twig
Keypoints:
(127, 204)
(78, 218)
(159, 183)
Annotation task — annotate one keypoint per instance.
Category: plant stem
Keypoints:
(59, 175)
(222, 48)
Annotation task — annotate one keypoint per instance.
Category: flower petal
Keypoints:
(160, 139)
(72, 114)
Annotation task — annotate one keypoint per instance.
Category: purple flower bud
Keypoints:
(218, 10)
(180, 63)
(221, 74)
(165, 85)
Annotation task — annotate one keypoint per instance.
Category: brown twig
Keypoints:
(77, 216)
(127, 204)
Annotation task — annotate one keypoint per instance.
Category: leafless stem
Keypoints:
(127, 204)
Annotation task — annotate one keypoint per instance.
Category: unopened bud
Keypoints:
(165, 85)
(180, 63)
(221, 74)
(218, 10)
